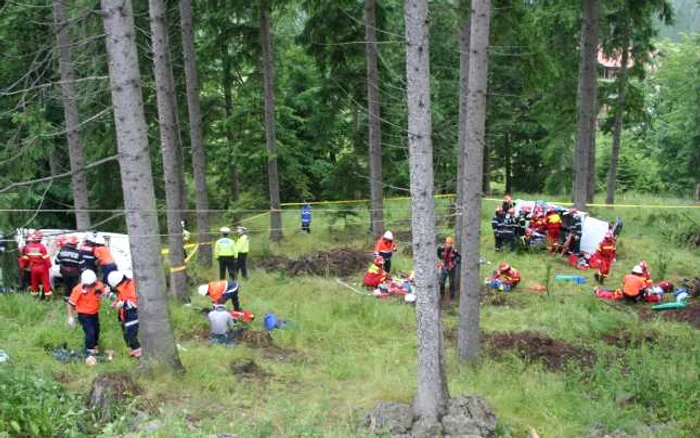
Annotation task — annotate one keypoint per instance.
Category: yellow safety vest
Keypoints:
(243, 244)
(225, 247)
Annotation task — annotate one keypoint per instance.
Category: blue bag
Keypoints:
(271, 321)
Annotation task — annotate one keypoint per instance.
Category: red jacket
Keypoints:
(35, 255)
(607, 249)
(374, 276)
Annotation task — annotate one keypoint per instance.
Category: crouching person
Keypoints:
(221, 291)
(220, 323)
(84, 301)
(127, 307)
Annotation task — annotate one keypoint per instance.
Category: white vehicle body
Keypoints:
(117, 243)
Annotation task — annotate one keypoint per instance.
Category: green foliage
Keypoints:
(34, 405)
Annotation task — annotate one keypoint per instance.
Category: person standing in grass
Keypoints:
(385, 248)
(607, 251)
(448, 260)
(225, 254)
(242, 248)
(84, 302)
(127, 307)
(306, 217)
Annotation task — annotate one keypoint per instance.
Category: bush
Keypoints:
(34, 406)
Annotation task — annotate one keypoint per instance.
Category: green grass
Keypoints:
(343, 352)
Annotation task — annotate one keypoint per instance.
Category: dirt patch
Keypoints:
(200, 333)
(281, 354)
(255, 338)
(247, 368)
(339, 262)
(630, 340)
(537, 347)
(64, 377)
(689, 315)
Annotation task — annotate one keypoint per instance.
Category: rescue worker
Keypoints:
(242, 248)
(521, 227)
(23, 266)
(507, 203)
(553, 224)
(634, 285)
(221, 291)
(70, 263)
(497, 220)
(385, 247)
(508, 229)
(36, 257)
(127, 303)
(607, 251)
(185, 236)
(104, 257)
(84, 301)
(225, 253)
(306, 217)
(220, 322)
(448, 260)
(87, 253)
(375, 274)
(506, 275)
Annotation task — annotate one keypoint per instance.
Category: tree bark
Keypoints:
(617, 123)
(270, 137)
(585, 136)
(156, 332)
(431, 392)
(464, 38)
(182, 196)
(70, 110)
(196, 135)
(226, 80)
(468, 336)
(508, 164)
(375, 128)
(168, 139)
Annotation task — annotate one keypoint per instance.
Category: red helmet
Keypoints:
(449, 240)
(507, 199)
(511, 211)
(499, 210)
(379, 260)
(609, 235)
(61, 241)
(35, 236)
(71, 240)
(503, 267)
(643, 264)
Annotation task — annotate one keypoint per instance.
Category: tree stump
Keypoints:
(108, 389)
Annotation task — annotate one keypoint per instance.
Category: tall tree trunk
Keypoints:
(226, 80)
(168, 140)
(196, 135)
(431, 392)
(486, 179)
(70, 109)
(182, 195)
(592, 179)
(376, 214)
(137, 182)
(585, 136)
(464, 37)
(270, 138)
(508, 164)
(617, 124)
(468, 336)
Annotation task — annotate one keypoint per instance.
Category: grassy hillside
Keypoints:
(344, 351)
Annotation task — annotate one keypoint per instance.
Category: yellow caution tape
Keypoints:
(189, 257)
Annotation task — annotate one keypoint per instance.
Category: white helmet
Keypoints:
(88, 277)
(241, 230)
(225, 230)
(99, 240)
(637, 270)
(389, 235)
(114, 278)
(409, 298)
(203, 289)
